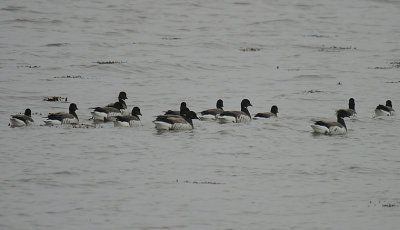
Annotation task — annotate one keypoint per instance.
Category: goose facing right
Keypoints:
(331, 127)
(237, 116)
(63, 118)
(20, 120)
(107, 113)
(121, 99)
(175, 122)
(176, 112)
(273, 113)
(129, 120)
(212, 114)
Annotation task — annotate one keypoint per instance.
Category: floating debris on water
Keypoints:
(110, 62)
(86, 126)
(313, 91)
(392, 82)
(55, 98)
(393, 65)
(317, 36)
(384, 204)
(199, 182)
(249, 49)
(336, 48)
(28, 66)
(171, 38)
(70, 76)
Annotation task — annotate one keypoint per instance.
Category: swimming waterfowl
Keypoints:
(121, 99)
(351, 111)
(20, 120)
(331, 127)
(63, 118)
(236, 116)
(107, 113)
(273, 113)
(385, 110)
(176, 112)
(129, 120)
(175, 122)
(212, 114)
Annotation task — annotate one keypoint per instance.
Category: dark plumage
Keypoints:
(273, 113)
(129, 120)
(107, 113)
(385, 110)
(134, 115)
(107, 109)
(121, 99)
(177, 122)
(63, 118)
(237, 116)
(351, 111)
(331, 127)
(176, 112)
(211, 114)
(19, 120)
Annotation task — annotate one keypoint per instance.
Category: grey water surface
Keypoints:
(307, 57)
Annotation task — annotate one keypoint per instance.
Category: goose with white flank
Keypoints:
(129, 120)
(212, 114)
(63, 118)
(273, 113)
(20, 120)
(175, 122)
(107, 113)
(385, 110)
(351, 111)
(236, 116)
(331, 127)
(121, 99)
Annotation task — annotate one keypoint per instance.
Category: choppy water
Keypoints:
(307, 57)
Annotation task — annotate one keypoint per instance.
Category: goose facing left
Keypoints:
(20, 120)
(63, 118)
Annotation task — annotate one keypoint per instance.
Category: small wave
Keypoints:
(56, 44)
(242, 3)
(13, 8)
(64, 173)
(31, 20)
(275, 21)
(310, 77)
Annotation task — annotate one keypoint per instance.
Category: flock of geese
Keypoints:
(182, 119)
